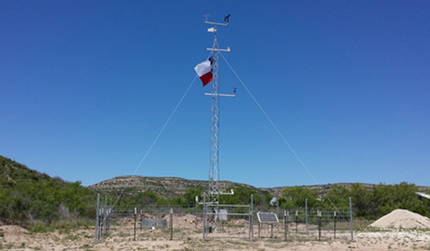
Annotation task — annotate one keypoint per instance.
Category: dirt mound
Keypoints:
(13, 229)
(401, 218)
(185, 221)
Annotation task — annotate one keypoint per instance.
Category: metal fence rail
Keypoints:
(221, 221)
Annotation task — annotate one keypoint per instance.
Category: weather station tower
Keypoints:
(214, 174)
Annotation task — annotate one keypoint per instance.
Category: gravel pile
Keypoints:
(401, 218)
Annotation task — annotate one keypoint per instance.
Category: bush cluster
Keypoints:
(28, 196)
(367, 203)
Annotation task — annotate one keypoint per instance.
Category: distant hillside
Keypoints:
(27, 196)
(167, 187)
(322, 189)
(170, 187)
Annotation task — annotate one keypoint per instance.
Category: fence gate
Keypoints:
(228, 221)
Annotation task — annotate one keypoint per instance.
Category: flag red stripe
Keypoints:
(206, 78)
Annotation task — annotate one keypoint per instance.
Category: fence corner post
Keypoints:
(350, 219)
(204, 216)
(197, 200)
(319, 224)
(306, 209)
(97, 218)
(135, 217)
(251, 225)
(171, 223)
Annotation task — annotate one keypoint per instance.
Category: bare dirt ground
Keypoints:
(185, 237)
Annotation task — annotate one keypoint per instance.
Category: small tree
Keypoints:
(190, 195)
(338, 195)
(295, 197)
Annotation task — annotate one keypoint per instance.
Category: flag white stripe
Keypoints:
(203, 68)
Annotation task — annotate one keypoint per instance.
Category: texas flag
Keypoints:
(204, 70)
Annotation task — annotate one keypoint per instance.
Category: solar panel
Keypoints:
(267, 217)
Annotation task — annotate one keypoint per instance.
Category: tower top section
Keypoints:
(214, 30)
(226, 20)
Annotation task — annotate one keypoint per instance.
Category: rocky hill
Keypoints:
(167, 187)
(322, 189)
(170, 187)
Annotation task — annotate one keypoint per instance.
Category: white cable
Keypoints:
(165, 124)
(276, 128)
(155, 140)
(153, 143)
(271, 122)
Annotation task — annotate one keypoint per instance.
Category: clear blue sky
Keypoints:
(86, 87)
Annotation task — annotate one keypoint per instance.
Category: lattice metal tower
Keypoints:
(214, 191)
